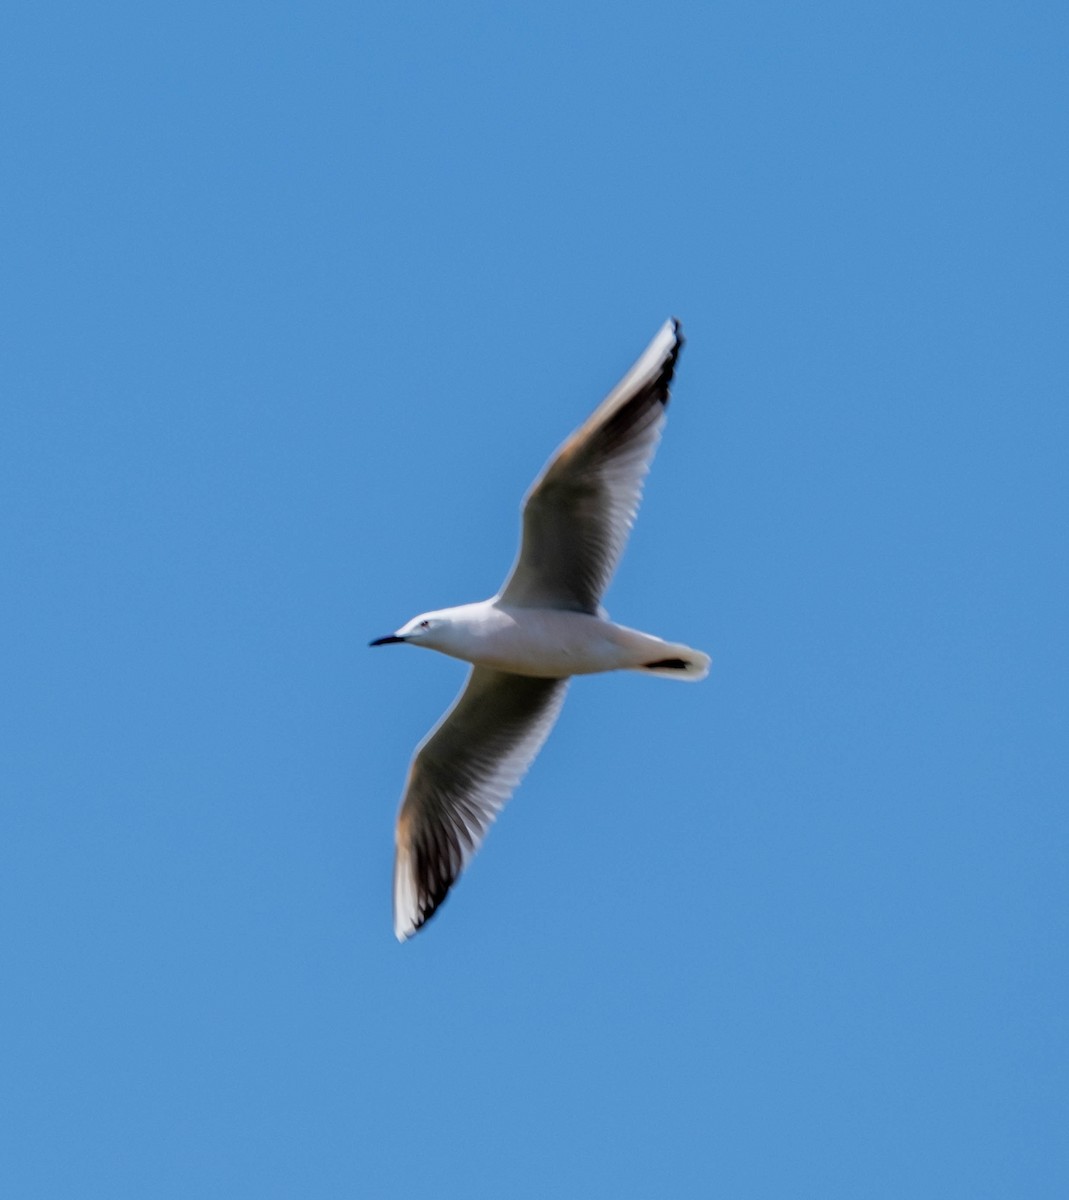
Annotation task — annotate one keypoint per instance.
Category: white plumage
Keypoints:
(544, 626)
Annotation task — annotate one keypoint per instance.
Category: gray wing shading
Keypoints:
(578, 513)
(461, 776)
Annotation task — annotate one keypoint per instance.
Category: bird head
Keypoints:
(420, 630)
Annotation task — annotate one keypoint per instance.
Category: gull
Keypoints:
(544, 626)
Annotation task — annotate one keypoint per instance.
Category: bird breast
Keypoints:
(545, 643)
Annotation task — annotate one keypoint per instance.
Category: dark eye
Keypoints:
(424, 624)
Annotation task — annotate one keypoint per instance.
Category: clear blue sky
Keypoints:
(296, 301)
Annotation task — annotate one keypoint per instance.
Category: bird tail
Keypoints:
(677, 662)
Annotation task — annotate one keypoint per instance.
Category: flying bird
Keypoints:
(545, 625)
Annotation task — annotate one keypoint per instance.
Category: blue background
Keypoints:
(296, 301)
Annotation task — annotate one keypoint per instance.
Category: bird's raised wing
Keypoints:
(461, 776)
(578, 513)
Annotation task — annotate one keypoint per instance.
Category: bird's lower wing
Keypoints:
(461, 776)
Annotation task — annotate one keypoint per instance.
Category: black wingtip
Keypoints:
(668, 369)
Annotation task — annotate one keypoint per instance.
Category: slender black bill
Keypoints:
(386, 640)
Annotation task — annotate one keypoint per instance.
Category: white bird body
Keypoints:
(544, 626)
(547, 643)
